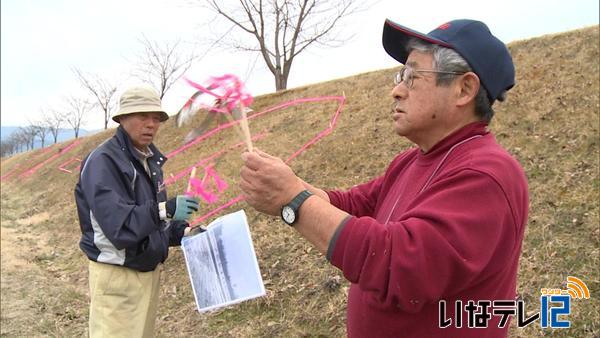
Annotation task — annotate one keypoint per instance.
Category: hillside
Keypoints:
(550, 123)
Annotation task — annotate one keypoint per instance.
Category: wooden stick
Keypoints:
(206, 173)
(192, 175)
(246, 129)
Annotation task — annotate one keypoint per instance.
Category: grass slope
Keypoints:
(549, 122)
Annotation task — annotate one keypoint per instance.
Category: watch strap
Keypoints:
(297, 202)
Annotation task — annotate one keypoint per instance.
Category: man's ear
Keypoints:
(468, 87)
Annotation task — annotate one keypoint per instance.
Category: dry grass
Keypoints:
(550, 123)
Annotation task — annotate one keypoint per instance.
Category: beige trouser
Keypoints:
(123, 301)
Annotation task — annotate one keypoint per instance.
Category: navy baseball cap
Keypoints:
(487, 55)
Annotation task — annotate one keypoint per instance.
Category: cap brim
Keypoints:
(396, 37)
(163, 115)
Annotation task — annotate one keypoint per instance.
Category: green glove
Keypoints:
(180, 208)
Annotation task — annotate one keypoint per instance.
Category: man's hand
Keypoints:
(267, 182)
(180, 208)
(192, 231)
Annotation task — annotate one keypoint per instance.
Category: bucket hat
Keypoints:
(140, 100)
(487, 55)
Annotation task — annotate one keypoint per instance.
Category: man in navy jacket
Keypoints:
(126, 222)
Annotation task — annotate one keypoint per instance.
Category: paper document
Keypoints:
(222, 263)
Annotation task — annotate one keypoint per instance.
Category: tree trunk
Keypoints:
(280, 82)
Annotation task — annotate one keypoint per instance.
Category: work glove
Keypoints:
(180, 208)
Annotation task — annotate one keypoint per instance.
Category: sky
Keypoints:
(42, 40)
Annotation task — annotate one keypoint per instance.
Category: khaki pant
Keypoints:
(123, 301)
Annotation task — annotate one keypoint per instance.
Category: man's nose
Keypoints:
(399, 91)
(152, 123)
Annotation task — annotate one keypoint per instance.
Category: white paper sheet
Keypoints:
(222, 263)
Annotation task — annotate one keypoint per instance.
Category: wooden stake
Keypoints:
(192, 175)
(206, 173)
(245, 129)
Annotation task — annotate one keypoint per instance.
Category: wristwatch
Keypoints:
(289, 212)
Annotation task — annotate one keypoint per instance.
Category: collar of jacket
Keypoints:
(125, 143)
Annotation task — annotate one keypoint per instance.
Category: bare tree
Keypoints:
(41, 131)
(10, 145)
(27, 136)
(7, 147)
(282, 29)
(20, 139)
(17, 139)
(162, 64)
(39, 128)
(53, 121)
(102, 90)
(25, 139)
(77, 109)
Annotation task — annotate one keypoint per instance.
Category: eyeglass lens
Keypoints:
(404, 75)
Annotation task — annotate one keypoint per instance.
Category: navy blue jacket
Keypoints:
(117, 203)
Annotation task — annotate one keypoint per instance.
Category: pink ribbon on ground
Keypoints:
(52, 158)
(35, 156)
(203, 162)
(341, 102)
(12, 172)
(68, 162)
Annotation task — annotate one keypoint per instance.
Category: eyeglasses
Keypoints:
(407, 75)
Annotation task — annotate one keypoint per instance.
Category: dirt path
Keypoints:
(18, 277)
(36, 298)
(10, 258)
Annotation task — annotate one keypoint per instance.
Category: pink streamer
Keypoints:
(228, 89)
(198, 188)
(221, 185)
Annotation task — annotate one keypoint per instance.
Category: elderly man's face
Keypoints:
(419, 111)
(141, 128)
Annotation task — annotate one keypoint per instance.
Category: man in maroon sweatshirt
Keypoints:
(443, 227)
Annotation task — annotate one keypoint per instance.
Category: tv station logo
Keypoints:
(555, 307)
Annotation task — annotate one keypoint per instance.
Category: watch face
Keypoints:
(288, 214)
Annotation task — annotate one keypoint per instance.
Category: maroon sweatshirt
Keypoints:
(445, 225)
